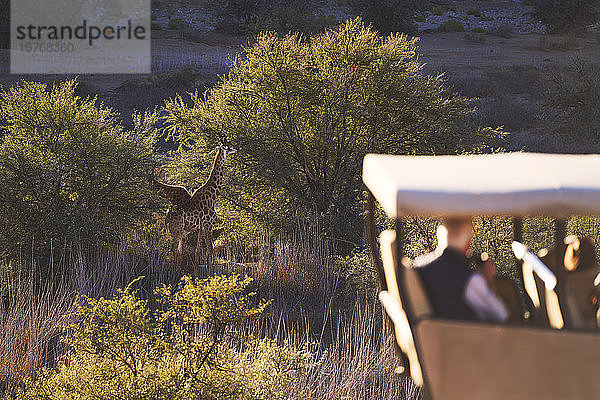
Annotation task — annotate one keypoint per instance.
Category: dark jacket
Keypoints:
(445, 279)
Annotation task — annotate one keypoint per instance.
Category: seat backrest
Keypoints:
(466, 360)
(414, 291)
(506, 290)
(580, 287)
(417, 296)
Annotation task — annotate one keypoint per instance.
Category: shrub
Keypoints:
(503, 30)
(437, 10)
(566, 15)
(420, 18)
(452, 25)
(303, 113)
(238, 16)
(177, 23)
(155, 26)
(485, 17)
(387, 15)
(192, 349)
(326, 21)
(475, 13)
(68, 169)
(574, 98)
(254, 16)
(299, 18)
(474, 37)
(478, 29)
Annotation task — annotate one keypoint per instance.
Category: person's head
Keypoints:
(486, 267)
(580, 253)
(459, 233)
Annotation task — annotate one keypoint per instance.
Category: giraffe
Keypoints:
(195, 212)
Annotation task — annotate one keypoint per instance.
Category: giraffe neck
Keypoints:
(216, 172)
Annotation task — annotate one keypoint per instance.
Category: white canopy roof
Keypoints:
(518, 184)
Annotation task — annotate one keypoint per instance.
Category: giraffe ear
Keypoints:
(226, 146)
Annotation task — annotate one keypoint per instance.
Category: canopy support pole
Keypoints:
(371, 237)
(560, 231)
(518, 236)
(399, 275)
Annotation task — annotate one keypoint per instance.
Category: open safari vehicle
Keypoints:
(528, 358)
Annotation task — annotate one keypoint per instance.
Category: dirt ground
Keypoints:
(506, 73)
(455, 53)
(449, 52)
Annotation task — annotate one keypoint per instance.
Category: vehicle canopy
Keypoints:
(517, 184)
(473, 360)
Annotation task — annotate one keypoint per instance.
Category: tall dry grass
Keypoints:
(308, 286)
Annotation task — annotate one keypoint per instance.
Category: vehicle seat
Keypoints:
(473, 361)
(415, 293)
(419, 301)
(506, 290)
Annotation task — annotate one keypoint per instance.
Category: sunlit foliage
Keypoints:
(68, 168)
(193, 348)
(303, 113)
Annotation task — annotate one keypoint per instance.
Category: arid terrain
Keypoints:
(506, 72)
(289, 225)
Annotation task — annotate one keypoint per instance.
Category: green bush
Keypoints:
(503, 30)
(485, 17)
(239, 16)
(566, 15)
(155, 26)
(478, 29)
(387, 15)
(254, 16)
(303, 113)
(437, 10)
(452, 25)
(177, 23)
(299, 18)
(476, 13)
(573, 99)
(191, 349)
(68, 169)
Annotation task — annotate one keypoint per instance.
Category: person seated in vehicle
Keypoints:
(456, 291)
(582, 279)
(504, 288)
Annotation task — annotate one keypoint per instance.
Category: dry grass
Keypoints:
(359, 363)
(29, 330)
(37, 299)
(301, 276)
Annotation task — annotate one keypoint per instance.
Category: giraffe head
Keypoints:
(227, 148)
